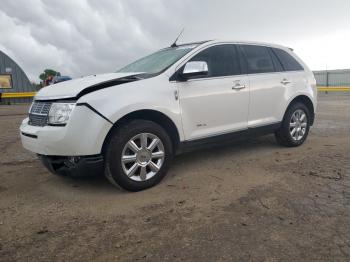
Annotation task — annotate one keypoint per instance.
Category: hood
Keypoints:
(77, 87)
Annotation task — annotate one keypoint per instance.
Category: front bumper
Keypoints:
(74, 166)
(83, 135)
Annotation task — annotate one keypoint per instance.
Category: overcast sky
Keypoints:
(83, 37)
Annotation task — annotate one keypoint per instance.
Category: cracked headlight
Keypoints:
(59, 113)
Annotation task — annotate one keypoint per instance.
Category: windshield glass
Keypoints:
(158, 61)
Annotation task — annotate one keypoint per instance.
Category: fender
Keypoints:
(302, 94)
(174, 117)
(298, 95)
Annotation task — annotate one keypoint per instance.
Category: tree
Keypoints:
(48, 72)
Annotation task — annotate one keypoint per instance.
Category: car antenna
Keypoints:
(174, 44)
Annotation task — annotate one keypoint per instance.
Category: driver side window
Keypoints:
(222, 60)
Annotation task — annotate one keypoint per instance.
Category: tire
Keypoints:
(145, 174)
(284, 135)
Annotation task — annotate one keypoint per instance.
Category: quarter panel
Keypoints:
(269, 99)
(303, 84)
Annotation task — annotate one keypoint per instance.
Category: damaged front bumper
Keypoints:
(74, 166)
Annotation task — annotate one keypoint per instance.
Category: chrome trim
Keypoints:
(195, 67)
(216, 134)
(238, 86)
(200, 48)
(209, 78)
(45, 98)
(231, 131)
(285, 82)
(38, 113)
(264, 124)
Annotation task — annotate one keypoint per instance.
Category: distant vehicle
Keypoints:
(130, 124)
(58, 79)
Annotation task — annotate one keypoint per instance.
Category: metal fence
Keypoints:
(333, 78)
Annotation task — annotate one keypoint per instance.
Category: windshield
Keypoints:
(158, 61)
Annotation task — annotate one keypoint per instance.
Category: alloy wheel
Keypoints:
(298, 125)
(142, 157)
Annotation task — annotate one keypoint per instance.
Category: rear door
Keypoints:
(217, 103)
(267, 86)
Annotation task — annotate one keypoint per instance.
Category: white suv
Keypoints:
(129, 124)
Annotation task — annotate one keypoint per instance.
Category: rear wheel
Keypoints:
(295, 126)
(138, 155)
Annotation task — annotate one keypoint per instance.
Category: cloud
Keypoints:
(87, 37)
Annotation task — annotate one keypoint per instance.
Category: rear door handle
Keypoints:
(238, 86)
(285, 82)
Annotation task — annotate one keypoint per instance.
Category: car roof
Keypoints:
(219, 41)
(194, 43)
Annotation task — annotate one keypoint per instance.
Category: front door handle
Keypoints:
(285, 82)
(238, 86)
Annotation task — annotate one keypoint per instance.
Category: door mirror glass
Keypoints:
(195, 68)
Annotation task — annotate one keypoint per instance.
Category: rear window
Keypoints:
(258, 59)
(288, 62)
(276, 62)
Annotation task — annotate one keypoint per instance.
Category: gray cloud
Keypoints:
(95, 36)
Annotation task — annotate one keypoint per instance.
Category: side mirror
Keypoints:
(195, 68)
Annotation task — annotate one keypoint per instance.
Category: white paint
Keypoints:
(205, 107)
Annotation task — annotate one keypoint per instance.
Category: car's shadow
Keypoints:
(210, 153)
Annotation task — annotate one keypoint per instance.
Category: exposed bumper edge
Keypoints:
(74, 166)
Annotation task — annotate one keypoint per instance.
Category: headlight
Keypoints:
(60, 112)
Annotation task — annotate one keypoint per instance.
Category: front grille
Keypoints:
(40, 108)
(37, 120)
(39, 112)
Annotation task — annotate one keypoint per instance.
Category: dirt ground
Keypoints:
(249, 201)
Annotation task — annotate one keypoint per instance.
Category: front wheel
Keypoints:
(295, 126)
(138, 155)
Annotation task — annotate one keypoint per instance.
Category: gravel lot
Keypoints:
(249, 201)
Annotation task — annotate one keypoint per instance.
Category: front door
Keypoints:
(218, 102)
